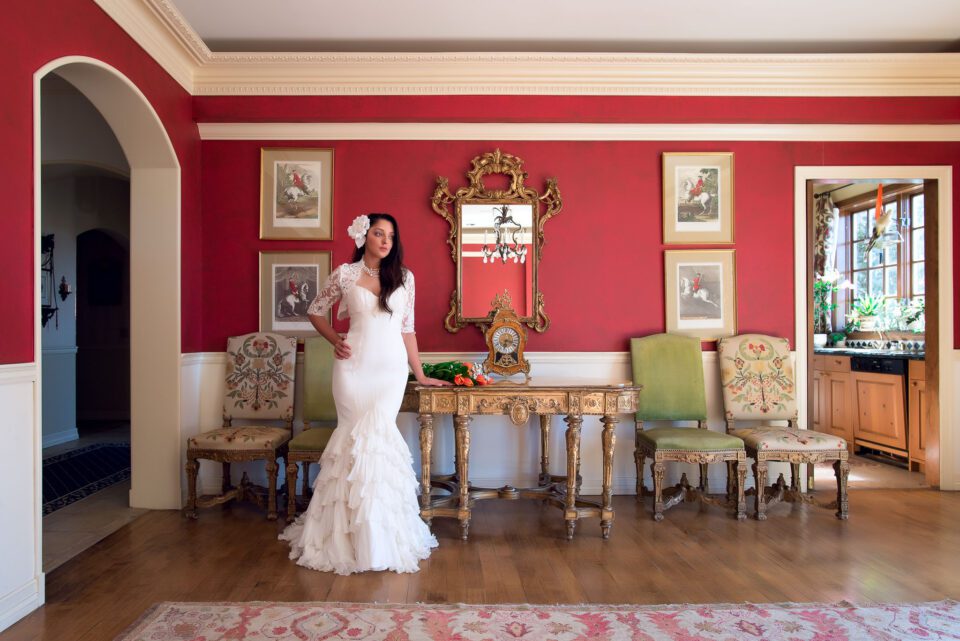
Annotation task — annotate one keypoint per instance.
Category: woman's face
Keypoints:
(380, 238)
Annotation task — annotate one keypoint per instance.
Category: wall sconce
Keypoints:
(65, 288)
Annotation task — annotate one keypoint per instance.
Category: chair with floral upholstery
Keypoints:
(669, 369)
(758, 385)
(259, 387)
(318, 407)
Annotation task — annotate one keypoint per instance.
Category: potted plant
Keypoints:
(867, 308)
(824, 288)
(839, 339)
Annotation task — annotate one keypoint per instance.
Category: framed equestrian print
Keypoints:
(701, 292)
(296, 194)
(697, 198)
(289, 281)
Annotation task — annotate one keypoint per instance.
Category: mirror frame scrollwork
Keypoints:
(449, 206)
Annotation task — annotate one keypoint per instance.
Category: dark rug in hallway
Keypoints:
(74, 475)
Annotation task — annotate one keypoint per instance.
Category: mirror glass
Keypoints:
(496, 254)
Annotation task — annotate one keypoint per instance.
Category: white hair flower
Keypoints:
(358, 229)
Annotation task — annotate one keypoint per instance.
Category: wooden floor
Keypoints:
(899, 545)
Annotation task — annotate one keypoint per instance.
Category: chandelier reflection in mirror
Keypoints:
(517, 251)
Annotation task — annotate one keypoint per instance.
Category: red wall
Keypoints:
(34, 33)
(602, 269)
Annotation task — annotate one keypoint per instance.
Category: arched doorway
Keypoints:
(154, 271)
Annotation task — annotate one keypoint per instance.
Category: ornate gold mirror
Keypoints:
(496, 240)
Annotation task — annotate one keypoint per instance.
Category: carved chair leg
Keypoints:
(640, 460)
(657, 468)
(305, 489)
(271, 489)
(810, 468)
(291, 491)
(760, 481)
(192, 469)
(704, 484)
(741, 482)
(225, 483)
(795, 476)
(842, 470)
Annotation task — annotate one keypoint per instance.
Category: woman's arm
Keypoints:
(340, 347)
(413, 357)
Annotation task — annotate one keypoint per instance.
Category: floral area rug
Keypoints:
(367, 622)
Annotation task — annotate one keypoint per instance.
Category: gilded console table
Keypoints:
(519, 401)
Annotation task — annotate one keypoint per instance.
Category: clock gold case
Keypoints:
(506, 339)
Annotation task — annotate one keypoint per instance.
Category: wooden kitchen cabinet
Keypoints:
(917, 414)
(881, 415)
(834, 404)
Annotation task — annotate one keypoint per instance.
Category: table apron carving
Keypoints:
(519, 402)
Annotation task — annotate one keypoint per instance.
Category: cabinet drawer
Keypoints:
(836, 363)
(819, 363)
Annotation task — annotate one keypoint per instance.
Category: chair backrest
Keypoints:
(318, 358)
(757, 378)
(260, 377)
(670, 369)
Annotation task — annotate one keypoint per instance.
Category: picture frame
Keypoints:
(698, 198)
(296, 194)
(289, 281)
(701, 292)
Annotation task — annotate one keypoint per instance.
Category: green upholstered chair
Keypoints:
(758, 385)
(670, 370)
(318, 407)
(258, 386)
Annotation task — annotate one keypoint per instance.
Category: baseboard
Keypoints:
(21, 602)
(63, 436)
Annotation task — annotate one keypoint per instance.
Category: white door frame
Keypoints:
(944, 177)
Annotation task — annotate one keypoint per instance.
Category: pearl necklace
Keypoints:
(372, 272)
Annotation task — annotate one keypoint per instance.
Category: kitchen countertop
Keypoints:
(885, 353)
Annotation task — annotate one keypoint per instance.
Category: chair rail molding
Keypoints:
(167, 36)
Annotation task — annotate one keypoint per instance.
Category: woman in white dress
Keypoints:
(364, 514)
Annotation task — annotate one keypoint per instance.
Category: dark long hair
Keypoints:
(391, 266)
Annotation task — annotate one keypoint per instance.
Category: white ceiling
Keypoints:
(640, 26)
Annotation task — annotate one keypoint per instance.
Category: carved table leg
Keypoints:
(704, 484)
(573, 465)
(291, 491)
(795, 476)
(461, 426)
(192, 468)
(741, 482)
(225, 483)
(426, 449)
(842, 470)
(760, 476)
(657, 468)
(609, 440)
(271, 488)
(545, 449)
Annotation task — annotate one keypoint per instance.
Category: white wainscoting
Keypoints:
(500, 453)
(21, 579)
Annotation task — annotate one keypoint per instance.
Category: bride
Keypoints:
(364, 514)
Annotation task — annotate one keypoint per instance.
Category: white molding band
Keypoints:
(163, 32)
(573, 131)
(18, 373)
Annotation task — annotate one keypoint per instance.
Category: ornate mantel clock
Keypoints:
(506, 339)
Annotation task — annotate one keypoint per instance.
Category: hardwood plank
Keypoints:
(899, 545)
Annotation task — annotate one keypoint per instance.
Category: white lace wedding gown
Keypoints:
(364, 514)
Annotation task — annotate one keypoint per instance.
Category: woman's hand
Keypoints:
(341, 349)
(433, 382)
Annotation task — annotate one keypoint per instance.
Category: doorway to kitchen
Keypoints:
(872, 266)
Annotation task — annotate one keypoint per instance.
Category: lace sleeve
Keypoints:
(406, 326)
(329, 294)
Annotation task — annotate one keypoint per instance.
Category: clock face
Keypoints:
(506, 340)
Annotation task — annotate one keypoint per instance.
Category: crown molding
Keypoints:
(579, 74)
(165, 34)
(573, 131)
(158, 27)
